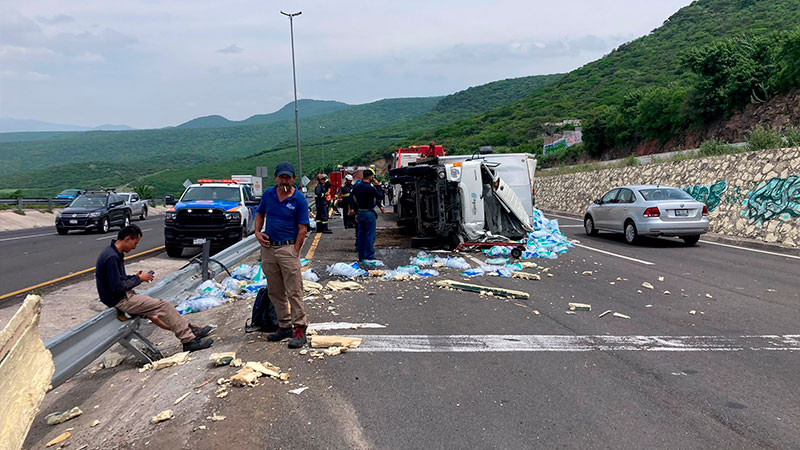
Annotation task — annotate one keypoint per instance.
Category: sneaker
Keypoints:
(200, 332)
(197, 344)
(299, 338)
(280, 335)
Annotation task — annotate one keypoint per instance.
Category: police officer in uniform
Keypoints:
(321, 193)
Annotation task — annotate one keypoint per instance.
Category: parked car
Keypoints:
(70, 194)
(138, 206)
(94, 210)
(649, 210)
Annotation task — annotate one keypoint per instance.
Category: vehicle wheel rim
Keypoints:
(105, 225)
(588, 225)
(127, 221)
(144, 214)
(629, 233)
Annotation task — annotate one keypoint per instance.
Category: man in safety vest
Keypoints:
(344, 196)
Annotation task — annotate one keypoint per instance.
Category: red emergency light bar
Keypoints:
(208, 180)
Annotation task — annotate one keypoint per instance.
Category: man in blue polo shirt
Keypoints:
(281, 225)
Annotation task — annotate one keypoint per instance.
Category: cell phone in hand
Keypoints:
(151, 272)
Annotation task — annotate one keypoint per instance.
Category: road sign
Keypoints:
(305, 180)
(187, 183)
(262, 172)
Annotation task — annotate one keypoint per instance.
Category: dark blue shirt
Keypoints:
(283, 217)
(366, 196)
(112, 282)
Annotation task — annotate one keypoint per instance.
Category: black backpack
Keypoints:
(264, 317)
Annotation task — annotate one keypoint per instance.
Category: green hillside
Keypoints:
(72, 159)
(348, 148)
(306, 108)
(653, 61)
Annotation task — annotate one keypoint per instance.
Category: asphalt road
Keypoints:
(37, 255)
(440, 376)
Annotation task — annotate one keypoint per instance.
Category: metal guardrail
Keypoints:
(76, 348)
(21, 202)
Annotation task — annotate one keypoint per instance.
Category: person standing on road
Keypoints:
(281, 225)
(321, 193)
(344, 193)
(365, 196)
(115, 288)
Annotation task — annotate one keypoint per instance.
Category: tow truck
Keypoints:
(220, 211)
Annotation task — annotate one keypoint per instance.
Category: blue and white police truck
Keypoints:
(220, 211)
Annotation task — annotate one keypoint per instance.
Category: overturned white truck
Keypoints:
(449, 200)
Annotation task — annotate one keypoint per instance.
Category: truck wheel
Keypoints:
(174, 251)
(144, 213)
(516, 252)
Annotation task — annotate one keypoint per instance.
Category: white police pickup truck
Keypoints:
(220, 211)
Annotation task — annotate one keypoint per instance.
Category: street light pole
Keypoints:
(294, 79)
(323, 148)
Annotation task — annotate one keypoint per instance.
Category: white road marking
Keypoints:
(25, 237)
(570, 226)
(106, 236)
(566, 343)
(342, 326)
(750, 249)
(647, 263)
(563, 217)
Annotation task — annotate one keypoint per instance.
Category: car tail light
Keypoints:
(705, 210)
(652, 212)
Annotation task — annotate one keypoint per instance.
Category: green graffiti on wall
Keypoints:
(778, 196)
(710, 195)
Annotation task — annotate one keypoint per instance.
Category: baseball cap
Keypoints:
(284, 168)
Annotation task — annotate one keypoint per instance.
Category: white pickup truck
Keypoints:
(137, 205)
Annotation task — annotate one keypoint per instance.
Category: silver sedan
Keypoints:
(648, 210)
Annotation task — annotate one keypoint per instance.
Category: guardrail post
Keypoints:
(19, 204)
(49, 204)
(204, 261)
(147, 355)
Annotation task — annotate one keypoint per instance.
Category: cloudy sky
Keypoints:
(155, 63)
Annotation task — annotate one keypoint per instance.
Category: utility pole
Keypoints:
(291, 17)
(323, 148)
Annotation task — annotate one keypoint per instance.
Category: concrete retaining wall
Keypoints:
(749, 195)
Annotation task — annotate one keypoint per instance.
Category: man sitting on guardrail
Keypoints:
(115, 288)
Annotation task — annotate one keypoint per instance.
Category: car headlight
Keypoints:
(95, 213)
(170, 216)
(58, 215)
(233, 216)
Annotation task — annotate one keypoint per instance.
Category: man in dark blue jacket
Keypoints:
(115, 288)
(365, 198)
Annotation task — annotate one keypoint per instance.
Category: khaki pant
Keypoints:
(281, 265)
(142, 305)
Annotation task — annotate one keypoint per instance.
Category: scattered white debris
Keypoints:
(604, 313)
(298, 391)
(647, 285)
(163, 416)
(182, 397)
(621, 316)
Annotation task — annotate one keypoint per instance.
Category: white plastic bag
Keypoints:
(197, 304)
(309, 275)
(346, 270)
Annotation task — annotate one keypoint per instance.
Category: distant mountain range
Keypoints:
(306, 108)
(9, 125)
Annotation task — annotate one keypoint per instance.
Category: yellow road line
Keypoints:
(310, 253)
(74, 274)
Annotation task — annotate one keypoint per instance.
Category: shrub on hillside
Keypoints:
(714, 147)
(763, 138)
(792, 136)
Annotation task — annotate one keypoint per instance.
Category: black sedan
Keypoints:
(98, 211)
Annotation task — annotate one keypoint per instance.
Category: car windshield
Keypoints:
(87, 201)
(656, 194)
(69, 192)
(228, 194)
